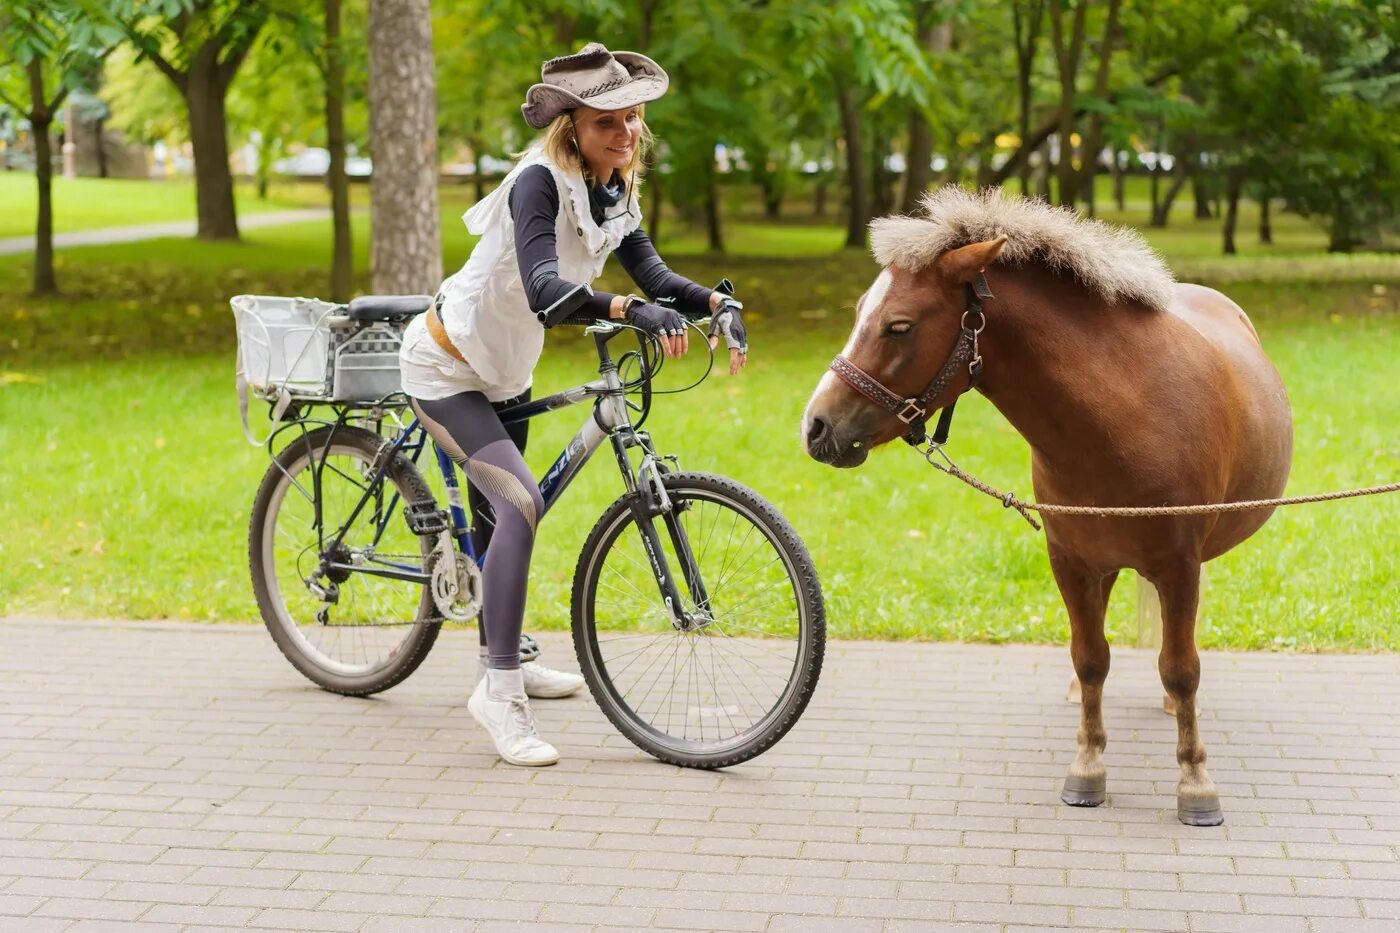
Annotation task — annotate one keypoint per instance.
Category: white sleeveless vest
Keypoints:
(485, 311)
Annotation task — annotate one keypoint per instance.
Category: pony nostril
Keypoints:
(816, 432)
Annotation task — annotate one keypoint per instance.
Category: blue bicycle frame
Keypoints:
(609, 420)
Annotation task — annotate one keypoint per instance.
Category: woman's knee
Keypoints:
(499, 473)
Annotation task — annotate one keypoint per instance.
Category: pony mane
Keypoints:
(1114, 262)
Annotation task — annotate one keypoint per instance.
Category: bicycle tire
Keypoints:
(811, 623)
(362, 446)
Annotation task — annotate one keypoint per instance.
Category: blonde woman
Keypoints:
(569, 203)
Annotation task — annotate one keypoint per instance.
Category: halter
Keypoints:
(914, 411)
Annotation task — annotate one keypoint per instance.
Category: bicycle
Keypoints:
(356, 568)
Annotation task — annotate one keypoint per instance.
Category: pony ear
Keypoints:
(963, 264)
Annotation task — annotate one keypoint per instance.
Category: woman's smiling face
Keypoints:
(608, 139)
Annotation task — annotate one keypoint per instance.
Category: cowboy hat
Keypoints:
(593, 77)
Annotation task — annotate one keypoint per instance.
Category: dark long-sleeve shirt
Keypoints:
(534, 208)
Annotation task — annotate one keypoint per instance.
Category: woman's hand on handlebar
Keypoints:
(726, 323)
(666, 323)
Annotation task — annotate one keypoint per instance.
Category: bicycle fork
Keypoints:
(651, 502)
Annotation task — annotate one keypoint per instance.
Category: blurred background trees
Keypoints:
(849, 108)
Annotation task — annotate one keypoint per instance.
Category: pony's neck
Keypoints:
(1045, 348)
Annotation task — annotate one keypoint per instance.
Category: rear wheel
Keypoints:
(376, 630)
(720, 691)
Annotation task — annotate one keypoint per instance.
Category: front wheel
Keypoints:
(733, 678)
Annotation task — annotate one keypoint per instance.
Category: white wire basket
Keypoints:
(307, 350)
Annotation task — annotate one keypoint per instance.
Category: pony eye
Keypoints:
(899, 327)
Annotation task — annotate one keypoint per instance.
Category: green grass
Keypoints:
(93, 203)
(128, 483)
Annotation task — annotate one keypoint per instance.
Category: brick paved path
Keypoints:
(181, 776)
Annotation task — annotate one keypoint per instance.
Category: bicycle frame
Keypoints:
(609, 420)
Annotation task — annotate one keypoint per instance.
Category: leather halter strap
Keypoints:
(914, 411)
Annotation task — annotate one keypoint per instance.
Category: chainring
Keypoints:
(455, 583)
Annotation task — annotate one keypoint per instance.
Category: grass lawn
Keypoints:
(92, 203)
(129, 483)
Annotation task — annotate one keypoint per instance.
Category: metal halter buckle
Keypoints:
(910, 412)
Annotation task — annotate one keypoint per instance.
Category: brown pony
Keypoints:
(1131, 390)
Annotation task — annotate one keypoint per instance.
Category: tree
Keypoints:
(482, 76)
(405, 245)
(51, 49)
(865, 54)
(1028, 17)
(199, 45)
(935, 35)
(269, 105)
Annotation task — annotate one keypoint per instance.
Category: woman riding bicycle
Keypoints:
(547, 230)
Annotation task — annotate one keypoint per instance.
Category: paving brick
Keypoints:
(279, 918)
(87, 908)
(209, 915)
(1302, 906)
(709, 919)
(1245, 923)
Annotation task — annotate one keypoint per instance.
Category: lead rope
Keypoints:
(1011, 501)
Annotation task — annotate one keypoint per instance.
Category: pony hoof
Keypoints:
(1084, 791)
(1199, 811)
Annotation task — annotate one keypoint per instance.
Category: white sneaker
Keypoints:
(511, 725)
(542, 683)
(545, 683)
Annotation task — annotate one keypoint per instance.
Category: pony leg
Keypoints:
(1197, 798)
(1076, 695)
(1085, 594)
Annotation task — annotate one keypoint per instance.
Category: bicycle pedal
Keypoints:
(425, 518)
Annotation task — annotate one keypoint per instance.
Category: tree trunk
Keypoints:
(1067, 55)
(917, 171)
(881, 197)
(342, 257)
(1094, 137)
(858, 216)
(40, 119)
(772, 195)
(1119, 174)
(819, 198)
(405, 243)
(1201, 193)
(936, 38)
(264, 173)
(1266, 225)
(1340, 236)
(213, 182)
(1026, 20)
(1154, 186)
(1162, 212)
(44, 281)
(1234, 182)
(101, 149)
(712, 220)
(648, 11)
(478, 176)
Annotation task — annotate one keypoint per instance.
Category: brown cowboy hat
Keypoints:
(593, 77)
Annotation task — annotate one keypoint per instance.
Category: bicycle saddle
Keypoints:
(387, 307)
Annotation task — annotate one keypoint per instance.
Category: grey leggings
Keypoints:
(469, 431)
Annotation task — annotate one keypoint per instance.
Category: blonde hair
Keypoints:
(561, 148)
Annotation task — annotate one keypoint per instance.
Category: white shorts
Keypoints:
(430, 372)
